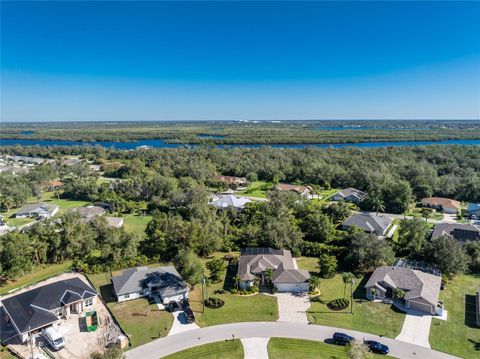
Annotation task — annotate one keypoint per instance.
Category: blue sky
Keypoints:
(69, 61)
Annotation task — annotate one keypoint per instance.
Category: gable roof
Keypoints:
(135, 279)
(225, 201)
(230, 179)
(458, 231)
(440, 201)
(114, 221)
(290, 276)
(31, 309)
(472, 207)
(347, 192)
(292, 187)
(89, 211)
(416, 284)
(37, 208)
(369, 222)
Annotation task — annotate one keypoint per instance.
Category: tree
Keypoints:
(373, 292)
(448, 255)
(426, 213)
(376, 201)
(327, 265)
(16, 255)
(268, 274)
(347, 278)
(217, 269)
(236, 279)
(367, 251)
(318, 227)
(338, 211)
(398, 293)
(472, 248)
(397, 195)
(189, 266)
(357, 351)
(412, 237)
(314, 282)
(112, 352)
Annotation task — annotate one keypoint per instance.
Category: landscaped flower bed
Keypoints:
(338, 304)
(251, 290)
(214, 303)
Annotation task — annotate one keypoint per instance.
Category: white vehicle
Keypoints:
(53, 338)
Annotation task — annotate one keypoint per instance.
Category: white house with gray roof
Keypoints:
(421, 289)
(286, 277)
(229, 201)
(162, 282)
(370, 222)
(350, 195)
(37, 210)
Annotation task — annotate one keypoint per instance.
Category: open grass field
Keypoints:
(257, 189)
(459, 335)
(220, 350)
(39, 273)
(281, 348)
(367, 315)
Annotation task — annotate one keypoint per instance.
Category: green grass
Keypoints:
(38, 274)
(281, 348)
(142, 322)
(220, 350)
(375, 318)
(417, 212)
(5, 354)
(308, 263)
(256, 189)
(134, 223)
(458, 335)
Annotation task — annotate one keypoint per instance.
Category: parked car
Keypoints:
(184, 303)
(343, 339)
(53, 338)
(376, 347)
(189, 315)
(173, 306)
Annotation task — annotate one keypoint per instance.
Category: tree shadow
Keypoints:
(470, 311)
(229, 282)
(359, 294)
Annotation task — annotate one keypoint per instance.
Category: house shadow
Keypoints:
(359, 294)
(470, 311)
(229, 282)
(106, 291)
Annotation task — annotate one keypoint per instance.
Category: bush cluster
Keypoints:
(214, 303)
(248, 291)
(338, 304)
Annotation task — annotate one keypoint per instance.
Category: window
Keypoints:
(88, 302)
(126, 296)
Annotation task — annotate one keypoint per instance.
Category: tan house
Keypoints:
(445, 205)
(301, 190)
(232, 181)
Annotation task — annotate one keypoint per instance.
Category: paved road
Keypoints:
(171, 344)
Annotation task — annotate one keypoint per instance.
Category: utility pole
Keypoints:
(203, 295)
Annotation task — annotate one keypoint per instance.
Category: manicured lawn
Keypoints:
(308, 263)
(281, 348)
(256, 189)
(375, 318)
(38, 274)
(135, 223)
(219, 350)
(458, 335)
(143, 322)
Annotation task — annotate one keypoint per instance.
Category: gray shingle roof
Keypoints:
(458, 231)
(225, 201)
(135, 279)
(417, 284)
(89, 211)
(369, 222)
(36, 208)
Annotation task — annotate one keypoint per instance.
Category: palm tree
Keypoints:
(347, 278)
(426, 213)
(377, 203)
(314, 282)
(236, 278)
(268, 274)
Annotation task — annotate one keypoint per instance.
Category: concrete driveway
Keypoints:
(180, 324)
(416, 329)
(255, 348)
(292, 307)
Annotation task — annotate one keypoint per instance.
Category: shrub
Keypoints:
(214, 303)
(338, 304)
(248, 291)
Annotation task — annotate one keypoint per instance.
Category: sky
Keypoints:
(104, 61)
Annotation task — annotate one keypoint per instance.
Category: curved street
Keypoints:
(171, 344)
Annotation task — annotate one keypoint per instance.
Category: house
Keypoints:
(369, 222)
(229, 201)
(301, 190)
(37, 210)
(349, 195)
(163, 283)
(232, 181)
(445, 205)
(459, 231)
(473, 210)
(286, 276)
(89, 212)
(421, 289)
(44, 306)
(114, 222)
(54, 185)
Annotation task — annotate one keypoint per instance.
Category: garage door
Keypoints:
(421, 306)
(292, 287)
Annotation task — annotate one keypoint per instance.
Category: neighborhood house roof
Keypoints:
(369, 222)
(37, 208)
(114, 221)
(166, 279)
(89, 211)
(473, 207)
(31, 309)
(415, 283)
(292, 187)
(347, 192)
(55, 184)
(230, 179)
(226, 201)
(439, 201)
(255, 260)
(458, 231)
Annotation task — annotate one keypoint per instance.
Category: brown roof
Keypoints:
(54, 184)
(292, 187)
(439, 201)
(230, 179)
